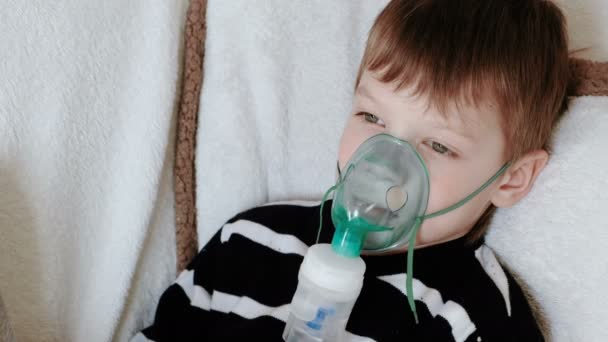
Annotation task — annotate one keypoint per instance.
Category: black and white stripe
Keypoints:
(241, 284)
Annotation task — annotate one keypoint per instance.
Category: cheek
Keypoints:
(449, 185)
(352, 138)
(446, 184)
(455, 223)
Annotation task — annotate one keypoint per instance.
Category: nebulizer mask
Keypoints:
(380, 202)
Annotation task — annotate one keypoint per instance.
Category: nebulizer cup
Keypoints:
(378, 202)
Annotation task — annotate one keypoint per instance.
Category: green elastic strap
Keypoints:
(410, 268)
(410, 249)
(327, 193)
(473, 194)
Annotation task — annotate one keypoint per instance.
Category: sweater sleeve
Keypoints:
(183, 312)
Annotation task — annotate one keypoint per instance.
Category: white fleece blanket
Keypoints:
(277, 87)
(87, 108)
(556, 239)
(278, 84)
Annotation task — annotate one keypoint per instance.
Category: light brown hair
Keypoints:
(513, 53)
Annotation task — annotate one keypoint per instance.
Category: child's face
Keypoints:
(462, 150)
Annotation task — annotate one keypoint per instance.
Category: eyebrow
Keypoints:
(363, 91)
(444, 124)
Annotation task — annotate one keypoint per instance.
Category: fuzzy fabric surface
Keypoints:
(277, 87)
(6, 331)
(87, 115)
(556, 239)
(588, 77)
(185, 178)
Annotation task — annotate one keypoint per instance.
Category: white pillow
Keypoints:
(556, 239)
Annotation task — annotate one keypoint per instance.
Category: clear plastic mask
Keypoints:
(384, 189)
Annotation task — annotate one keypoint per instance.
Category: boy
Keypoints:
(473, 85)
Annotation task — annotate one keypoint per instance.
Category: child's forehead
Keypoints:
(458, 111)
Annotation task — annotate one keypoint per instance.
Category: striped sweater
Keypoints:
(241, 283)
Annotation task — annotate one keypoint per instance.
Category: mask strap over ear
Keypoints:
(412, 242)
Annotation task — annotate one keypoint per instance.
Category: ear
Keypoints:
(519, 178)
